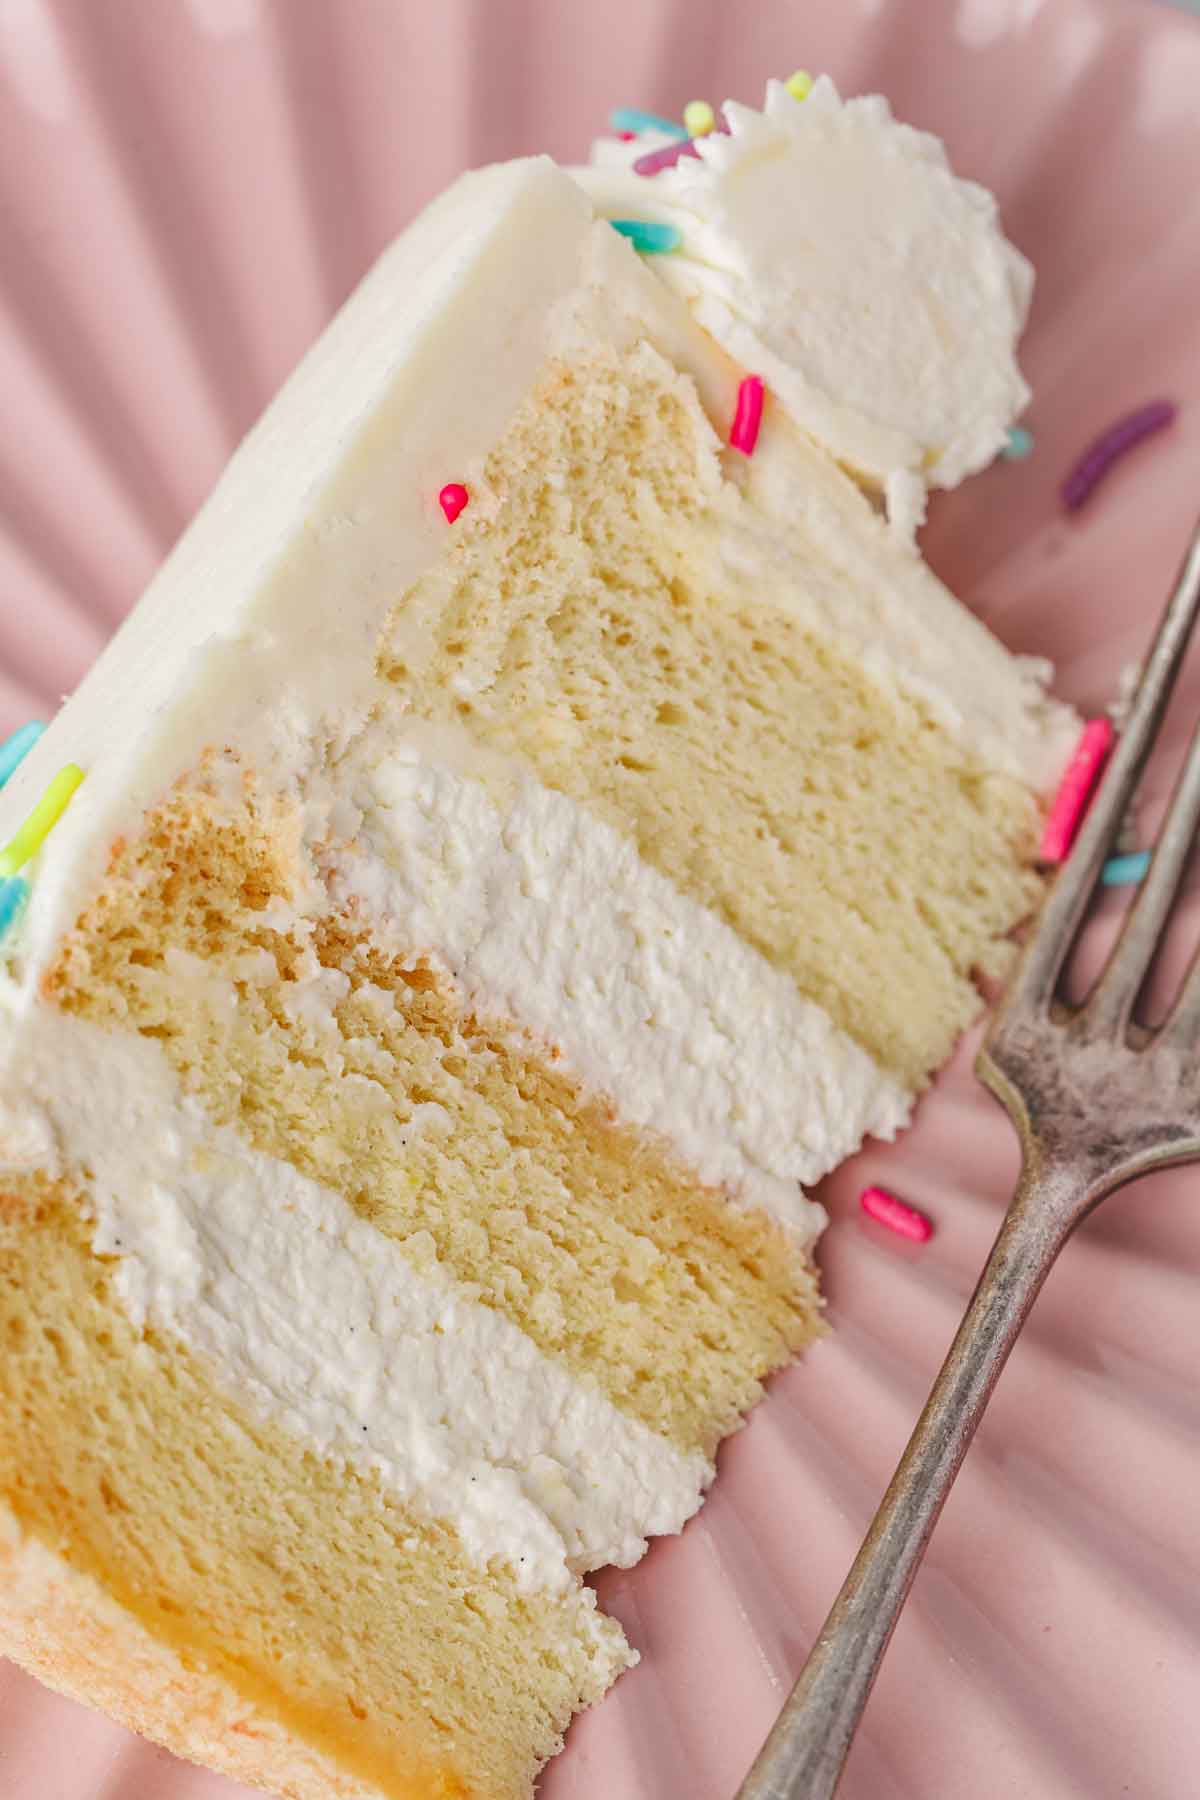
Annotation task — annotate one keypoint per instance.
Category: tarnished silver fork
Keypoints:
(1098, 1099)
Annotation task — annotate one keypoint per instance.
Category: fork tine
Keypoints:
(1182, 1023)
(1038, 971)
(1109, 1005)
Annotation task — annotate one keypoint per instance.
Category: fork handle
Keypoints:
(804, 1755)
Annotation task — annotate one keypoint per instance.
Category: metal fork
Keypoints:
(1098, 1100)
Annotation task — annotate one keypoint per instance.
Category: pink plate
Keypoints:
(188, 189)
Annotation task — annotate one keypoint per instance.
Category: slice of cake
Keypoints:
(522, 841)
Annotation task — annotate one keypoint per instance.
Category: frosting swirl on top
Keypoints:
(834, 252)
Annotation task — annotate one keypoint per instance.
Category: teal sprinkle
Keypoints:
(13, 894)
(1119, 871)
(632, 118)
(1020, 443)
(650, 239)
(16, 748)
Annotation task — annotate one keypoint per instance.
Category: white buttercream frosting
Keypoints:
(833, 251)
(311, 1316)
(261, 628)
(548, 916)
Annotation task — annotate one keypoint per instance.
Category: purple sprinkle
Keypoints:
(669, 155)
(1112, 444)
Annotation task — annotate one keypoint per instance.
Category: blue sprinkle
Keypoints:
(16, 748)
(649, 238)
(13, 894)
(632, 118)
(1020, 443)
(1119, 871)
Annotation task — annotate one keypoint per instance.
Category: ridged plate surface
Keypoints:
(187, 189)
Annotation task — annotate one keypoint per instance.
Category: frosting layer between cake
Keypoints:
(319, 1322)
(548, 916)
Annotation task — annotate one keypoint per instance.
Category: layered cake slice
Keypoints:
(523, 840)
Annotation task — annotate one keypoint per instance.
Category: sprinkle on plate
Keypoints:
(895, 1214)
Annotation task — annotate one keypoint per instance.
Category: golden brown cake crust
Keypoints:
(132, 1579)
(63, 1628)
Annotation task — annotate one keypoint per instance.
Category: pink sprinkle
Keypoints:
(666, 157)
(896, 1214)
(743, 433)
(669, 154)
(452, 499)
(1075, 789)
(627, 137)
(1110, 446)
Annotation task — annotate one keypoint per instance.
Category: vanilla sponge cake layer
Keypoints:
(624, 617)
(454, 1136)
(190, 1534)
(379, 1363)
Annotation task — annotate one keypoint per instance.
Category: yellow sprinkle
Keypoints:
(41, 821)
(699, 118)
(799, 85)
